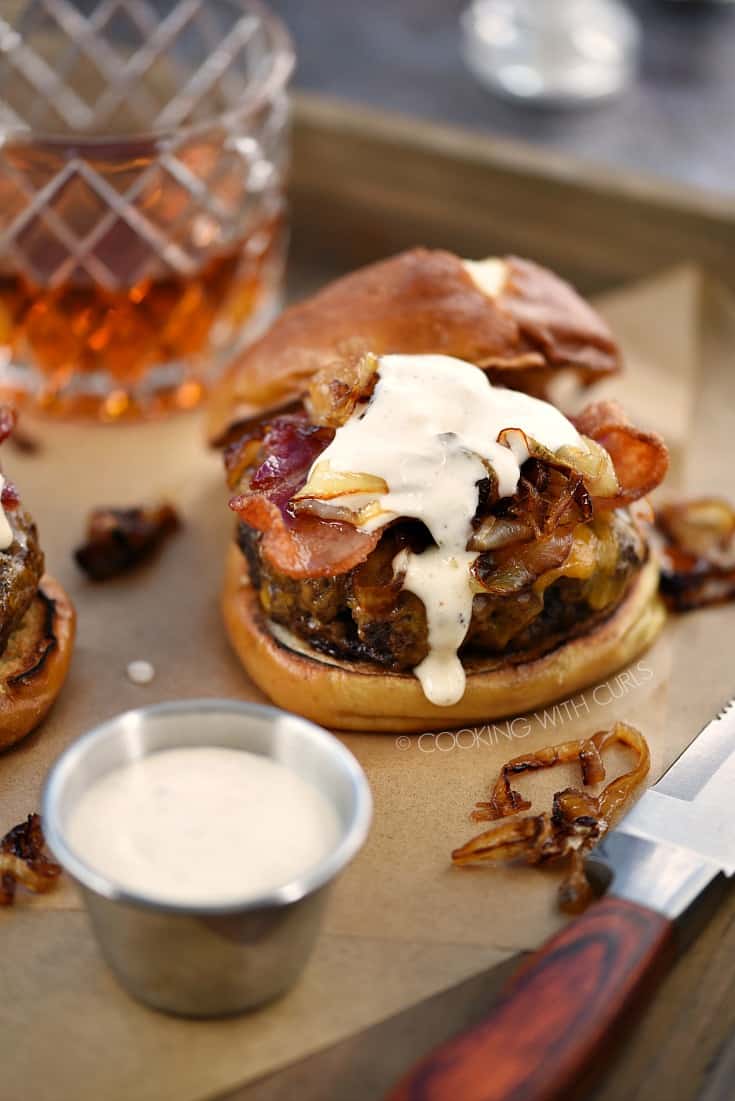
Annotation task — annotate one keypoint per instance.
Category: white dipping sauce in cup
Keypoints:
(202, 825)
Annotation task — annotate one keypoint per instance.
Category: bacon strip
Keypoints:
(297, 545)
(640, 458)
(290, 446)
(304, 546)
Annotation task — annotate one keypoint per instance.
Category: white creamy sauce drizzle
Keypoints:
(431, 421)
(202, 825)
(6, 532)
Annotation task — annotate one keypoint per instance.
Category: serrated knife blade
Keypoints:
(691, 806)
(680, 835)
(702, 758)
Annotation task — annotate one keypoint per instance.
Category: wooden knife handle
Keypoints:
(556, 1014)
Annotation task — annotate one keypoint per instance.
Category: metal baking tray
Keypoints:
(365, 184)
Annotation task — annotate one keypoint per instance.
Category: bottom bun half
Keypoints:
(361, 696)
(35, 662)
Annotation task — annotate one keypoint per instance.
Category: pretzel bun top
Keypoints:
(512, 317)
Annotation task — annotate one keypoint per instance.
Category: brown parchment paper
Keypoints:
(402, 923)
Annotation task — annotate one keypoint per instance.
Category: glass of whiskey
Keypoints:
(143, 150)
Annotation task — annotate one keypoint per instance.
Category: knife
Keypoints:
(548, 1028)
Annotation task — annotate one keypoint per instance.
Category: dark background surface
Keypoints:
(677, 122)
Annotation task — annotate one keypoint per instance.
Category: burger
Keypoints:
(37, 620)
(418, 545)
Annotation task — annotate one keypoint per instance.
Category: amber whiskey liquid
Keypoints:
(130, 274)
(116, 338)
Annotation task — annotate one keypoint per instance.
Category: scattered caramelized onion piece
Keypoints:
(697, 552)
(511, 841)
(23, 860)
(575, 893)
(119, 539)
(577, 821)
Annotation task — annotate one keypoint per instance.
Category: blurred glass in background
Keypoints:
(560, 52)
(142, 220)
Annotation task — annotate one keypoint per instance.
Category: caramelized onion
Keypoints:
(705, 526)
(595, 465)
(496, 532)
(340, 495)
(341, 513)
(550, 492)
(517, 567)
(120, 539)
(338, 388)
(23, 860)
(577, 820)
(241, 456)
(697, 552)
(325, 483)
(591, 462)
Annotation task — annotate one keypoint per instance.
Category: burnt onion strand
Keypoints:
(23, 860)
(577, 820)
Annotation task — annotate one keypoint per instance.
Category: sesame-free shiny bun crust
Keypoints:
(417, 302)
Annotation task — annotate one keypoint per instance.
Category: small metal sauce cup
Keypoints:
(208, 961)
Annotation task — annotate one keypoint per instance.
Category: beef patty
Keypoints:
(366, 615)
